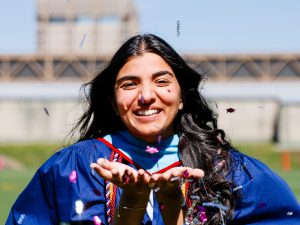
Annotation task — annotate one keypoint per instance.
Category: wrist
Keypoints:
(134, 200)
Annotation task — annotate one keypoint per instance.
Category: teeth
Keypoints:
(147, 112)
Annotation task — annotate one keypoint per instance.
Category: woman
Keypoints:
(160, 157)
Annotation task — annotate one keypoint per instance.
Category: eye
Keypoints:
(162, 82)
(128, 85)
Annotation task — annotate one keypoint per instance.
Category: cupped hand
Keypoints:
(169, 181)
(122, 175)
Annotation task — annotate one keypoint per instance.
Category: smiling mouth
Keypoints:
(147, 112)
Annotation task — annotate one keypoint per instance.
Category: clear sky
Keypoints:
(232, 26)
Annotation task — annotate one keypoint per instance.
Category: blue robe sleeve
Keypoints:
(51, 198)
(266, 199)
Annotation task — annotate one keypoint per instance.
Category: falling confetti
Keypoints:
(215, 205)
(79, 206)
(97, 220)
(161, 207)
(289, 213)
(82, 40)
(216, 105)
(202, 213)
(73, 176)
(159, 139)
(142, 100)
(21, 219)
(46, 111)
(262, 205)
(174, 179)
(237, 188)
(126, 177)
(230, 110)
(203, 83)
(185, 174)
(97, 192)
(151, 150)
(157, 189)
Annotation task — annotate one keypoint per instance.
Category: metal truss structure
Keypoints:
(48, 68)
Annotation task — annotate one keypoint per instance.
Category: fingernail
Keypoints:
(101, 161)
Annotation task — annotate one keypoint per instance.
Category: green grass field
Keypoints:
(32, 156)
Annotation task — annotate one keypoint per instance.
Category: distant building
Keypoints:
(84, 26)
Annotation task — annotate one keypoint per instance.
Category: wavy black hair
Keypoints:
(201, 144)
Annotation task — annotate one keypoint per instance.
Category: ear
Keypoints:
(180, 107)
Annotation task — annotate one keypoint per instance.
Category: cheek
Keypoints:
(124, 100)
(171, 95)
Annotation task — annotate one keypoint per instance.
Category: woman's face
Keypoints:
(147, 97)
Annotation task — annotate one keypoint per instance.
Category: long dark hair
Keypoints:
(201, 144)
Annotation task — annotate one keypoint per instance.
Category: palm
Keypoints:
(122, 175)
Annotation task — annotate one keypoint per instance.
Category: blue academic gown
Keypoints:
(50, 197)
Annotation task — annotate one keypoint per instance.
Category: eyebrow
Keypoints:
(132, 77)
(163, 72)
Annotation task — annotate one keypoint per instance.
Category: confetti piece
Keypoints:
(97, 220)
(216, 105)
(46, 111)
(82, 40)
(161, 207)
(151, 150)
(73, 176)
(215, 205)
(21, 219)
(159, 139)
(262, 205)
(289, 213)
(244, 165)
(97, 192)
(219, 165)
(237, 188)
(202, 216)
(185, 174)
(157, 189)
(230, 110)
(142, 100)
(195, 197)
(126, 177)
(79, 206)
(174, 179)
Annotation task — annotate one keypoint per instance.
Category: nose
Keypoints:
(147, 95)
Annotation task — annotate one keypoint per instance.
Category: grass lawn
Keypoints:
(33, 155)
(11, 185)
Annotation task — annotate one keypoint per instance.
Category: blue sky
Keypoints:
(233, 26)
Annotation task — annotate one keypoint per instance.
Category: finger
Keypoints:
(105, 174)
(130, 176)
(188, 173)
(161, 181)
(104, 163)
(152, 180)
(141, 179)
(116, 176)
(197, 173)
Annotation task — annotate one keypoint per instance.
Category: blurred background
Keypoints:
(249, 53)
